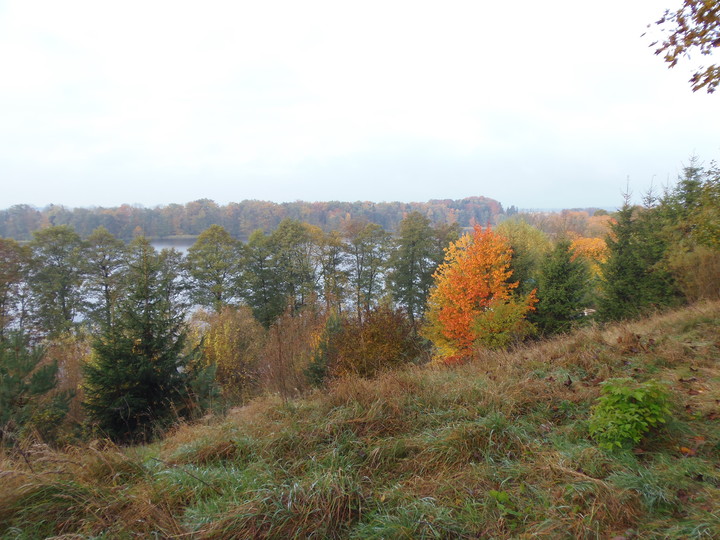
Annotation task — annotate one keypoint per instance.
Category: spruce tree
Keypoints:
(633, 278)
(562, 287)
(138, 378)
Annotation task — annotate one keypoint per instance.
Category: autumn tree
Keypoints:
(14, 260)
(694, 27)
(529, 247)
(105, 263)
(472, 282)
(367, 246)
(230, 340)
(593, 251)
(213, 263)
(417, 251)
(56, 278)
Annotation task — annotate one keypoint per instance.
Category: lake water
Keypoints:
(180, 244)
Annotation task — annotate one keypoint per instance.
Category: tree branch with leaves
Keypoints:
(694, 27)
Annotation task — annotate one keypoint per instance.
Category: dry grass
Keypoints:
(495, 448)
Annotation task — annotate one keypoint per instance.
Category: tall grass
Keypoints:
(496, 448)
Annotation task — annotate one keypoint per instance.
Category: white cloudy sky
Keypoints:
(536, 104)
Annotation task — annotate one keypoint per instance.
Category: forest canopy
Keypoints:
(241, 219)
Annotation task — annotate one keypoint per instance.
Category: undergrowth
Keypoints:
(497, 448)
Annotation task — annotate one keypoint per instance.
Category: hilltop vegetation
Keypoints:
(108, 323)
(332, 352)
(498, 447)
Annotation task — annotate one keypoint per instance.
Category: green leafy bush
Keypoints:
(627, 410)
(503, 324)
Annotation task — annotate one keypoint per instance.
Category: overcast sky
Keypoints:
(535, 104)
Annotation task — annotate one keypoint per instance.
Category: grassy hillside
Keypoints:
(497, 448)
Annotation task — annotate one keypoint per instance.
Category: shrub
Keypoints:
(289, 349)
(383, 339)
(502, 325)
(627, 410)
(325, 352)
(696, 271)
(231, 340)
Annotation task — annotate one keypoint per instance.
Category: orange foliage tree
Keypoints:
(593, 250)
(470, 285)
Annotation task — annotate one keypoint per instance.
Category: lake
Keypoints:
(180, 244)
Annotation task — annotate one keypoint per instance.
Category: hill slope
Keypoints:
(497, 448)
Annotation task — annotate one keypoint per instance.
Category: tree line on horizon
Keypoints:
(104, 328)
(241, 219)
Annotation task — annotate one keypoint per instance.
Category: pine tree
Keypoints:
(25, 385)
(563, 285)
(633, 278)
(138, 377)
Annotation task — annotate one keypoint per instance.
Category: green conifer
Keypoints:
(634, 278)
(563, 287)
(26, 383)
(138, 378)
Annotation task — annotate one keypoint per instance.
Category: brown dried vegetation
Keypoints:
(494, 448)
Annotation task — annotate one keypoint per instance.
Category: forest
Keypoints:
(363, 370)
(102, 339)
(239, 219)
(127, 339)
